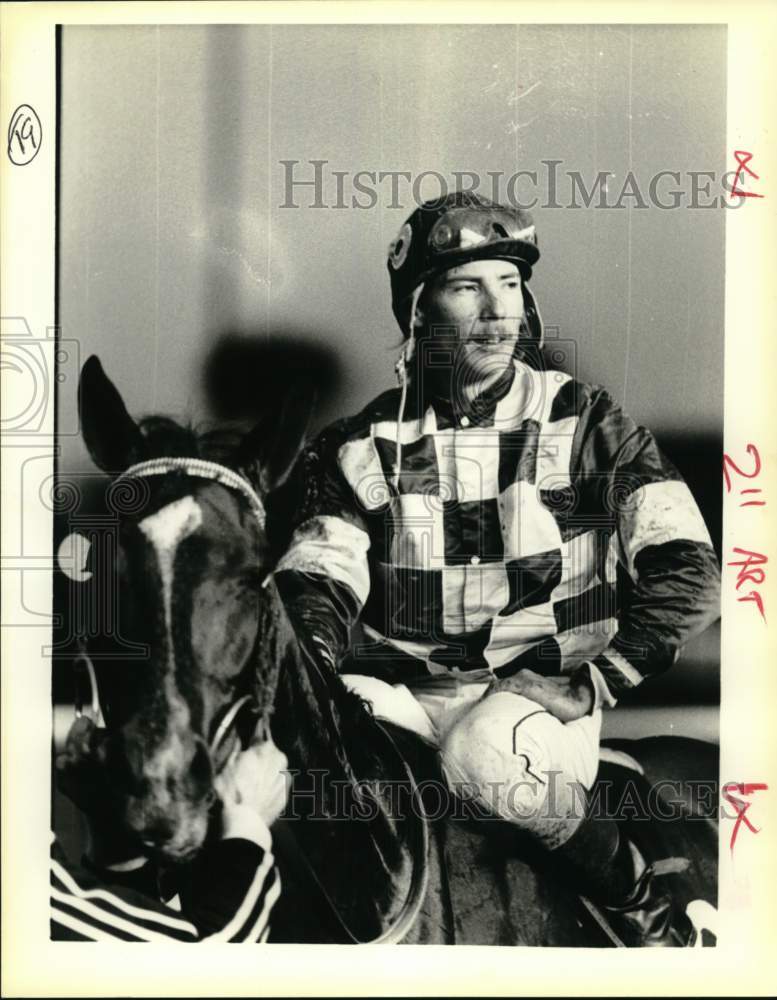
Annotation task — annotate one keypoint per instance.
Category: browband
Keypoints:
(202, 469)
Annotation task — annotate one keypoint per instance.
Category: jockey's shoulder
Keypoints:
(383, 407)
(566, 397)
(572, 398)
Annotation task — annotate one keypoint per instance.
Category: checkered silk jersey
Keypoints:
(540, 527)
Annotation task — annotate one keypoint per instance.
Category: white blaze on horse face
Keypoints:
(165, 530)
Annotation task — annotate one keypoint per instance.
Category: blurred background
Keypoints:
(174, 239)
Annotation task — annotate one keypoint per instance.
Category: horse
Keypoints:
(366, 851)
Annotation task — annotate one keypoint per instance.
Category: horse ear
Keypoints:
(113, 438)
(274, 443)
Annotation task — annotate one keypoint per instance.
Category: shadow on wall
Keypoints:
(246, 376)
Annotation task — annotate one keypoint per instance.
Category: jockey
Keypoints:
(518, 551)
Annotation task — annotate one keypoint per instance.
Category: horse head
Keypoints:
(193, 590)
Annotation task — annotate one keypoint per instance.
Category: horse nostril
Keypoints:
(158, 834)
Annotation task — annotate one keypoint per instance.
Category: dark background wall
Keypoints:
(172, 234)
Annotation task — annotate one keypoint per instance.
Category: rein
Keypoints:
(419, 880)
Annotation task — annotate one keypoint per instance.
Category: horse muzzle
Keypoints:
(173, 830)
(169, 799)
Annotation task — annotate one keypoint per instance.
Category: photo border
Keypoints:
(742, 961)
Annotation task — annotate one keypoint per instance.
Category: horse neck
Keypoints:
(307, 719)
(331, 741)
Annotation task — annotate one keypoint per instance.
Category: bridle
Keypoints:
(244, 706)
(200, 468)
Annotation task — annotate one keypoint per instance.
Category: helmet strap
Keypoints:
(531, 302)
(410, 346)
(407, 355)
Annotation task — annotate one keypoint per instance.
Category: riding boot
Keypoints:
(649, 918)
(606, 867)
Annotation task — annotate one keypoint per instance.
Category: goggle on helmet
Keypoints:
(461, 228)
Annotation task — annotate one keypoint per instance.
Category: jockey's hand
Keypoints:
(255, 780)
(568, 698)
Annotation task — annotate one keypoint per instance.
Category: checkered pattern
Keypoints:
(543, 530)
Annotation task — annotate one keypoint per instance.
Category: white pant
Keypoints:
(522, 763)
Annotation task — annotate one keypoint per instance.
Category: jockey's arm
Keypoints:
(671, 577)
(323, 578)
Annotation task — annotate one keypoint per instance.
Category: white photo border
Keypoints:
(742, 962)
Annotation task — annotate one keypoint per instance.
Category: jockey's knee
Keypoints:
(392, 702)
(504, 753)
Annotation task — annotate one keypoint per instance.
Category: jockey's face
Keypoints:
(479, 306)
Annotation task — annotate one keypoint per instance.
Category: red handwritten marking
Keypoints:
(756, 598)
(756, 559)
(751, 572)
(740, 806)
(727, 460)
(752, 503)
(743, 158)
